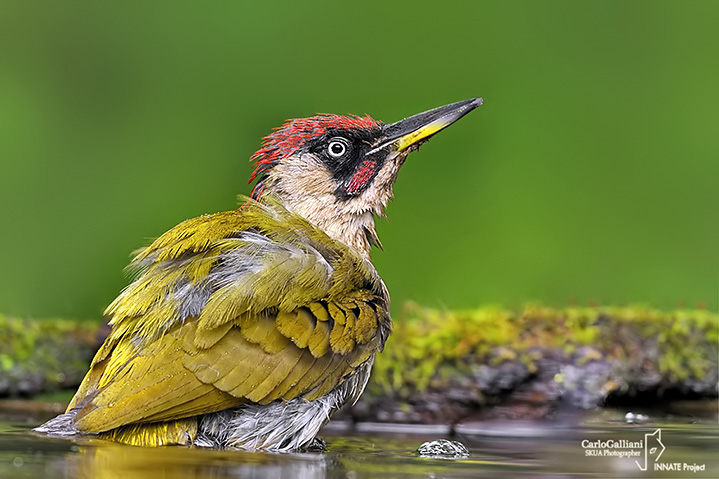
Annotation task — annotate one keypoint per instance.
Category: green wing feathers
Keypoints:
(249, 305)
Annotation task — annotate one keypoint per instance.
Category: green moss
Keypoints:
(428, 345)
(433, 348)
(43, 355)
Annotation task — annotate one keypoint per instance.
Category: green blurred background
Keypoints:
(589, 174)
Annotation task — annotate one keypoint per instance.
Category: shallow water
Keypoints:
(497, 449)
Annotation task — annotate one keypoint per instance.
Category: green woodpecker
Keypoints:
(249, 328)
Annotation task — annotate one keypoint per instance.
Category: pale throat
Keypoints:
(307, 188)
(351, 228)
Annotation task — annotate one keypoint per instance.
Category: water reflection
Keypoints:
(32, 457)
(537, 450)
(25, 455)
(113, 461)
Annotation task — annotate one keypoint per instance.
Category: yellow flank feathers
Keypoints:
(337, 314)
(319, 311)
(181, 432)
(341, 339)
(206, 338)
(366, 323)
(249, 305)
(297, 325)
(319, 342)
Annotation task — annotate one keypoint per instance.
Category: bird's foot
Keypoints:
(317, 445)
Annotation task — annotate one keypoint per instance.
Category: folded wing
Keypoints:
(252, 305)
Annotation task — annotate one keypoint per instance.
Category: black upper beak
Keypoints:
(420, 127)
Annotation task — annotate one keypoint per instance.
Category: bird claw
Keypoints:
(317, 445)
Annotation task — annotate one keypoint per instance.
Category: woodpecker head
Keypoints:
(338, 171)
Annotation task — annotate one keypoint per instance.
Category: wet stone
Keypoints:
(442, 448)
(637, 418)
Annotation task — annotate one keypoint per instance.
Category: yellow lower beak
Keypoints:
(417, 128)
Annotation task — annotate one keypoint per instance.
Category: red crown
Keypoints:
(288, 138)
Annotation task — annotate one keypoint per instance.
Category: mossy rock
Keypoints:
(442, 366)
(44, 355)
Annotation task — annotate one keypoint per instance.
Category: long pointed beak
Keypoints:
(419, 128)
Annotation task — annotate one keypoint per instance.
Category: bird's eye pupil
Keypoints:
(337, 149)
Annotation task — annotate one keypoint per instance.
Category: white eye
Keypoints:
(336, 149)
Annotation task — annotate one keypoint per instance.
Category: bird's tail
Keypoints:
(62, 425)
